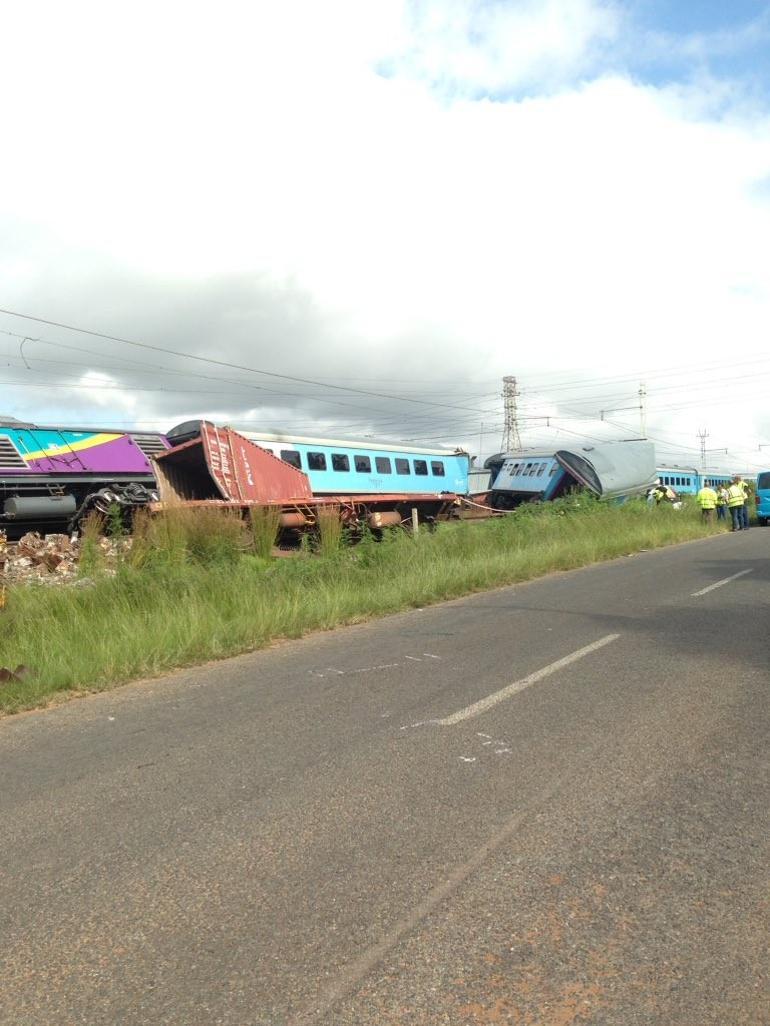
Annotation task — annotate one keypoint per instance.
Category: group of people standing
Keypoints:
(733, 497)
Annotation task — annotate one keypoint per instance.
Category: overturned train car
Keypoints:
(50, 477)
(609, 470)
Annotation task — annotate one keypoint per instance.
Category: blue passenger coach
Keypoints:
(359, 467)
(609, 470)
(688, 481)
(526, 478)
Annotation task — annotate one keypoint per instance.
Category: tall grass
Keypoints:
(91, 560)
(330, 531)
(263, 524)
(203, 535)
(191, 588)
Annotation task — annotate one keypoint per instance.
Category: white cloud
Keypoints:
(497, 47)
(367, 222)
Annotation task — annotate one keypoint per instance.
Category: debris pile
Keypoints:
(51, 559)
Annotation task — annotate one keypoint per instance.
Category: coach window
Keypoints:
(382, 463)
(291, 456)
(402, 466)
(316, 461)
(541, 470)
(363, 464)
(421, 467)
(553, 469)
(340, 461)
(437, 468)
(528, 471)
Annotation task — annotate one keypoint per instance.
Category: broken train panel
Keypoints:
(609, 470)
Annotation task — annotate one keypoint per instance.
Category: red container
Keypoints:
(222, 464)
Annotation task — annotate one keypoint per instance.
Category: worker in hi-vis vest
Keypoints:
(746, 496)
(721, 502)
(736, 500)
(707, 499)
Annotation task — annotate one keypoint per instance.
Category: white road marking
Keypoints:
(499, 696)
(371, 669)
(719, 584)
(348, 673)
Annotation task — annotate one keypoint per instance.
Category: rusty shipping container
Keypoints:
(220, 464)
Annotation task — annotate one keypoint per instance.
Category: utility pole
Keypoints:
(643, 409)
(511, 439)
(703, 435)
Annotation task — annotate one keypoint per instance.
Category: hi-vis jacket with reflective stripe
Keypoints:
(735, 495)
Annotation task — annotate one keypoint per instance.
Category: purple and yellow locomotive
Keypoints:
(51, 476)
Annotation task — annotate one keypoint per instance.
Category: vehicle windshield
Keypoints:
(763, 480)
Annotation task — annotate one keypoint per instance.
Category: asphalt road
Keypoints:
(545, 805)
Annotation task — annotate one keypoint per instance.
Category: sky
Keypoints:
(354, 218)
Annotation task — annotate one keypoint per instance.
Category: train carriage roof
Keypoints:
(192, 427)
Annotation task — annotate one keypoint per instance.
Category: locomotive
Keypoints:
(53, 476)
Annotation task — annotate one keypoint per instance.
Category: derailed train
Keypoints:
(51, 475)
(55, 475)
(609, 470)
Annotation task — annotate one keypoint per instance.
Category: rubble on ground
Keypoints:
(52, 558)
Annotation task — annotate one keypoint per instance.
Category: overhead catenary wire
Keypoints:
(219, 363)
(375, 418)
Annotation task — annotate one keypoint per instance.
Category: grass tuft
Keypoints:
(263, 524)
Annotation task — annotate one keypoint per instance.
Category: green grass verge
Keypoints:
(192, 591)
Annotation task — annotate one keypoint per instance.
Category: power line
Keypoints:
(222, 363)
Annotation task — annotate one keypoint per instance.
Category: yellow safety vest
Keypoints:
(707, 498)
(735, 496)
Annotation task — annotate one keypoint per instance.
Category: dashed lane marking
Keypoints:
(499, 696)
(718, 584)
